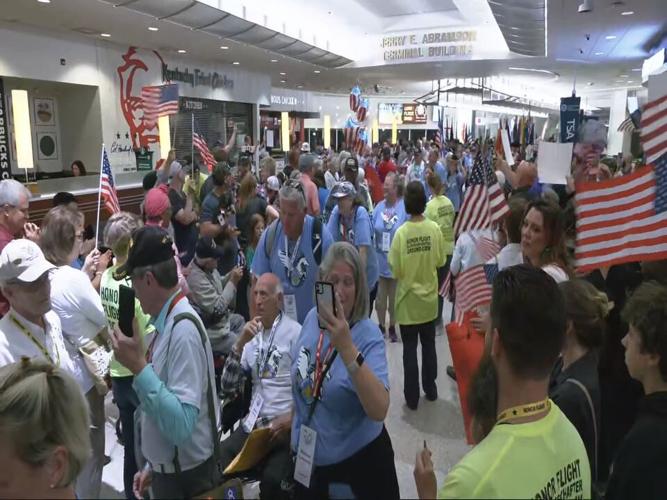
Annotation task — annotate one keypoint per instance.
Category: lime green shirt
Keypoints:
(541, 459)
(415, 254)
(441, 211)
(109, 291)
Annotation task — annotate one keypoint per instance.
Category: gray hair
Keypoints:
(11, 191)
(290, 191)
(118, 231)
(345, 252)
(42, 408)
(165, 273)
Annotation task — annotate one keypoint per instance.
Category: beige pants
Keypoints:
(385, 300)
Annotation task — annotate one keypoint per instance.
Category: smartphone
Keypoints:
(126, 309)
(324, 297)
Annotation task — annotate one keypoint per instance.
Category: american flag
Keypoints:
(438, 134)
(484, 202)
(159, 100)
(200, 144)
(623, 219)
(473, 289)
(654, 129)
(108, 186)
(486, 247)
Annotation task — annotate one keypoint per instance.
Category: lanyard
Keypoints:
(321, 366)
(264, 356)
(149, 353)
(526, 410)
(292, 258)
(39, 345)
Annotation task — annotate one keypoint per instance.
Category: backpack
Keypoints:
(316, 239)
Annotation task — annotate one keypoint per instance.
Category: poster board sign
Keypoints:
(553, 162)
(509, 158)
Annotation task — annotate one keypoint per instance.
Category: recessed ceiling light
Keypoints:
(631, 81)
(610, 37)
(317, 71)
(514, 28)
(182, 51)
(282, 81)
(224, 47)
(627, 13)
(274, 60)
(623, 76)
(599, 53)
(590, 84)
(299, 86)
(282, 73)
(153, 28)
(44, 1)
(236, 63)
(636, 69)
(105, 35)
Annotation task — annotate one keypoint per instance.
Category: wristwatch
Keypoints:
(356, 364)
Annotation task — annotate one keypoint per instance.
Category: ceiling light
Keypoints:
(236, 63)
(224, 47)
(105, 35)
(282, 81)
(44, 1)
(599, 53)
(627, 13)
(631, 81)
(153, 28)
(590, 84)
(182, 51)
(317, 71)
(623, 76)
(299, 86)
(636, 69)
(274, 60)
(282, 74)
(610, 37)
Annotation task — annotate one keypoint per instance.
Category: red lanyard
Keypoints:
(343, 231)
(321, 367)
(149, 353)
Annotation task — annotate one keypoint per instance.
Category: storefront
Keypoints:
(84, 92)
(294, 105)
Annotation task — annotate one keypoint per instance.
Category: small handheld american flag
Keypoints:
(108, 186)
(200, 145)
(159, 100)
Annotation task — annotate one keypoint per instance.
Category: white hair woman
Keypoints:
(44, 424)
(340, 385)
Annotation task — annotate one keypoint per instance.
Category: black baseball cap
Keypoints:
(149, 245)
(206, 248)
(351, 163)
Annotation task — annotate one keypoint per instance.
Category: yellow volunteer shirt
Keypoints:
(441, 211)
(415, 254)
(109, 292)
(542, 459)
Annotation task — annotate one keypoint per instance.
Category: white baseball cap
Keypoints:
(273, 183)
(305, 147)
(23, 260)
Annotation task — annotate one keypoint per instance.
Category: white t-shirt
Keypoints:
(79, 307)
(15, 343)
(180, 361)
(510, 255)
(466, 254)
(275, 386)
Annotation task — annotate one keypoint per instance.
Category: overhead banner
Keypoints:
(5, 166)
(569, 118)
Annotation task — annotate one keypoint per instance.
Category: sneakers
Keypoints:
(392, 334)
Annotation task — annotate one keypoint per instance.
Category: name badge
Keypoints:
(255, 407)
(305, 456)
(289, 307)
(386, 242)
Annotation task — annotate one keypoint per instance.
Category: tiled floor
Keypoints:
(438, 422)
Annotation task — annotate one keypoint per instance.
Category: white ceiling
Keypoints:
(569, 53)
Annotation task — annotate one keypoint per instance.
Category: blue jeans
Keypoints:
(127, 401)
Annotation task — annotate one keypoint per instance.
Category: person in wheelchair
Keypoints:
(214, 296)
(263, 354)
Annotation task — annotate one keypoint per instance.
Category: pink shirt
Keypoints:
(312, 198)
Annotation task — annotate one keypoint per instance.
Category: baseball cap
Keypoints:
(22, 260)
(351, 163)
(149, 245)
(306, 162)
(156, 202)
(343, 189)
(206, 248)
(174, 169)
(305, 147)
(273, 183)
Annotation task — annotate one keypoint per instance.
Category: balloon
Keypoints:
(355, 97)
(362, 110)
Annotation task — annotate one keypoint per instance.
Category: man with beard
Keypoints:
(532, 450)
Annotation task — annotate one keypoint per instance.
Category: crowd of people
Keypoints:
(227, 340)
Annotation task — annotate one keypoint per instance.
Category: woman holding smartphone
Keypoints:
(341, 391)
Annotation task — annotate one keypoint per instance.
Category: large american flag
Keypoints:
(654, 129)
(159, 100)
(108, 186)
(484, 202)
(623, 219)
(200, 145)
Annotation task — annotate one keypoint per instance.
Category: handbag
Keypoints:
(96, 355)
(467, 347)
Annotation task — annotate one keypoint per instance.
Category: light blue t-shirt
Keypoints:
(296, 271)
(386, 220)
(454, 189)
(359, 234)
(342, 426)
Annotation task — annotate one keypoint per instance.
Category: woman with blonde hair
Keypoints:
(44, 441)
(574, 385)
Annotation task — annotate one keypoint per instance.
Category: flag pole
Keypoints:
(192, 141)
(99, 198)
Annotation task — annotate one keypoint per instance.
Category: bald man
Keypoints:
(263, 352)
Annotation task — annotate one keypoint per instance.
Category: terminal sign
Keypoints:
(428, 45)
